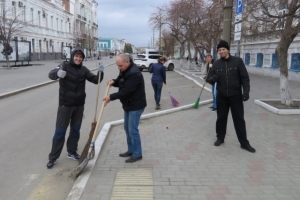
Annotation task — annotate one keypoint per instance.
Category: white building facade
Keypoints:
(52, 24)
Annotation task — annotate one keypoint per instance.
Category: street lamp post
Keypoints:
(227, 20)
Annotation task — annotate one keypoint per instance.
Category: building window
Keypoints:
(274, 61)
(31, 15)
(247, 59)
(46, 22)
(295, 62)
(39, 18)
(259, 60)
(14, 12)
(61, 25)
(69, 27)
(33, 45)
(51, 22)
(23, 15)
(56, 23)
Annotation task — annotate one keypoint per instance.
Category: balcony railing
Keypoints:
(79, 16)
(84, 19)
(94, 24)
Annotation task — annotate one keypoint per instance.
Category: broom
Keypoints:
(196, 104)
(173, 100)
(87, 145)
(75, 173)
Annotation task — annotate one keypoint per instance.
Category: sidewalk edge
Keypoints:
(81, 181)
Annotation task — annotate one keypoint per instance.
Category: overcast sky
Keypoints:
(127, 19)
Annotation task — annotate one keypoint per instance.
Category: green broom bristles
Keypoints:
(196, 104)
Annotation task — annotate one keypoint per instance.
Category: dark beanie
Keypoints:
(223, 44)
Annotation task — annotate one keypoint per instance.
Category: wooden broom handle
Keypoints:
(100, 74)
(99, 118)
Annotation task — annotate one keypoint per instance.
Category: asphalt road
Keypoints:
(27, 122)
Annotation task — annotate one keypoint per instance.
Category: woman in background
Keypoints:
(158, 72)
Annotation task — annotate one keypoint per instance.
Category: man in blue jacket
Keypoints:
(133, 98)
(231, 76)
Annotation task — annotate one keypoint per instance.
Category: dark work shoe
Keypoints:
(133, 159)
(51, 163)
(248, 148)
(214, 109)
(219, 142)
(211, 107)
(74, 155)
(126, 154)
(157, 107)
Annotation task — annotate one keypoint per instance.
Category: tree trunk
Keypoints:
(190, 55)
(282, 52)
(7, 61)
(181, 54)
(286, 97)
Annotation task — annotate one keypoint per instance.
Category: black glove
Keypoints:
(245, 97)
(213, 79)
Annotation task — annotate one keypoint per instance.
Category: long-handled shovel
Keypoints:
(80, 168)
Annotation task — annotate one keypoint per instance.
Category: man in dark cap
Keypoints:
(72, 76)
(230, 74)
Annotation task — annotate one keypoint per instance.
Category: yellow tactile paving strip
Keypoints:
(133, 184)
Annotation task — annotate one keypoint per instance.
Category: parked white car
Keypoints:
(145, 61)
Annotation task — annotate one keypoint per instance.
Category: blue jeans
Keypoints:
(131, 123)
(214, 94)
(157, 86)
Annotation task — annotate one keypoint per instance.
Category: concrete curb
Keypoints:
(276, 110)
(5, 95)
(81, 181)
(2, 96)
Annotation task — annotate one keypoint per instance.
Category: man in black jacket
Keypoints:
(72, 76)
(231, 76)
(133, 98)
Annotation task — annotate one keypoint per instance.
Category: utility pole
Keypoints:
(153, 39)
(227, 20)
(159, 48)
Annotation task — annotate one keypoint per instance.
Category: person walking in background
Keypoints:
(209, 62)
(196, 60)
(158, 72)
(133, 98)
(72, 76)
(230, 74)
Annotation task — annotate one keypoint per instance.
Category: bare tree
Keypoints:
(89, 41)
(280, 17)
(168, 42)
(12, 24)
(193, 24)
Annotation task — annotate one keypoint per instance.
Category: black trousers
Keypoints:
(235, 103)
(66, 116)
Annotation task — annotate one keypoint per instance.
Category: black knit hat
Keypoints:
(223, 44)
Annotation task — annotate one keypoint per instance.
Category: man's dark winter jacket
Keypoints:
(231, 75)
(131, 89)
(72, 86)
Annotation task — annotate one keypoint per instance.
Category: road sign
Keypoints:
(238, 27)
(238, 7)
(238, 18)
(237, 36)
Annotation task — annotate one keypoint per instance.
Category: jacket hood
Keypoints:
(74, 51)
